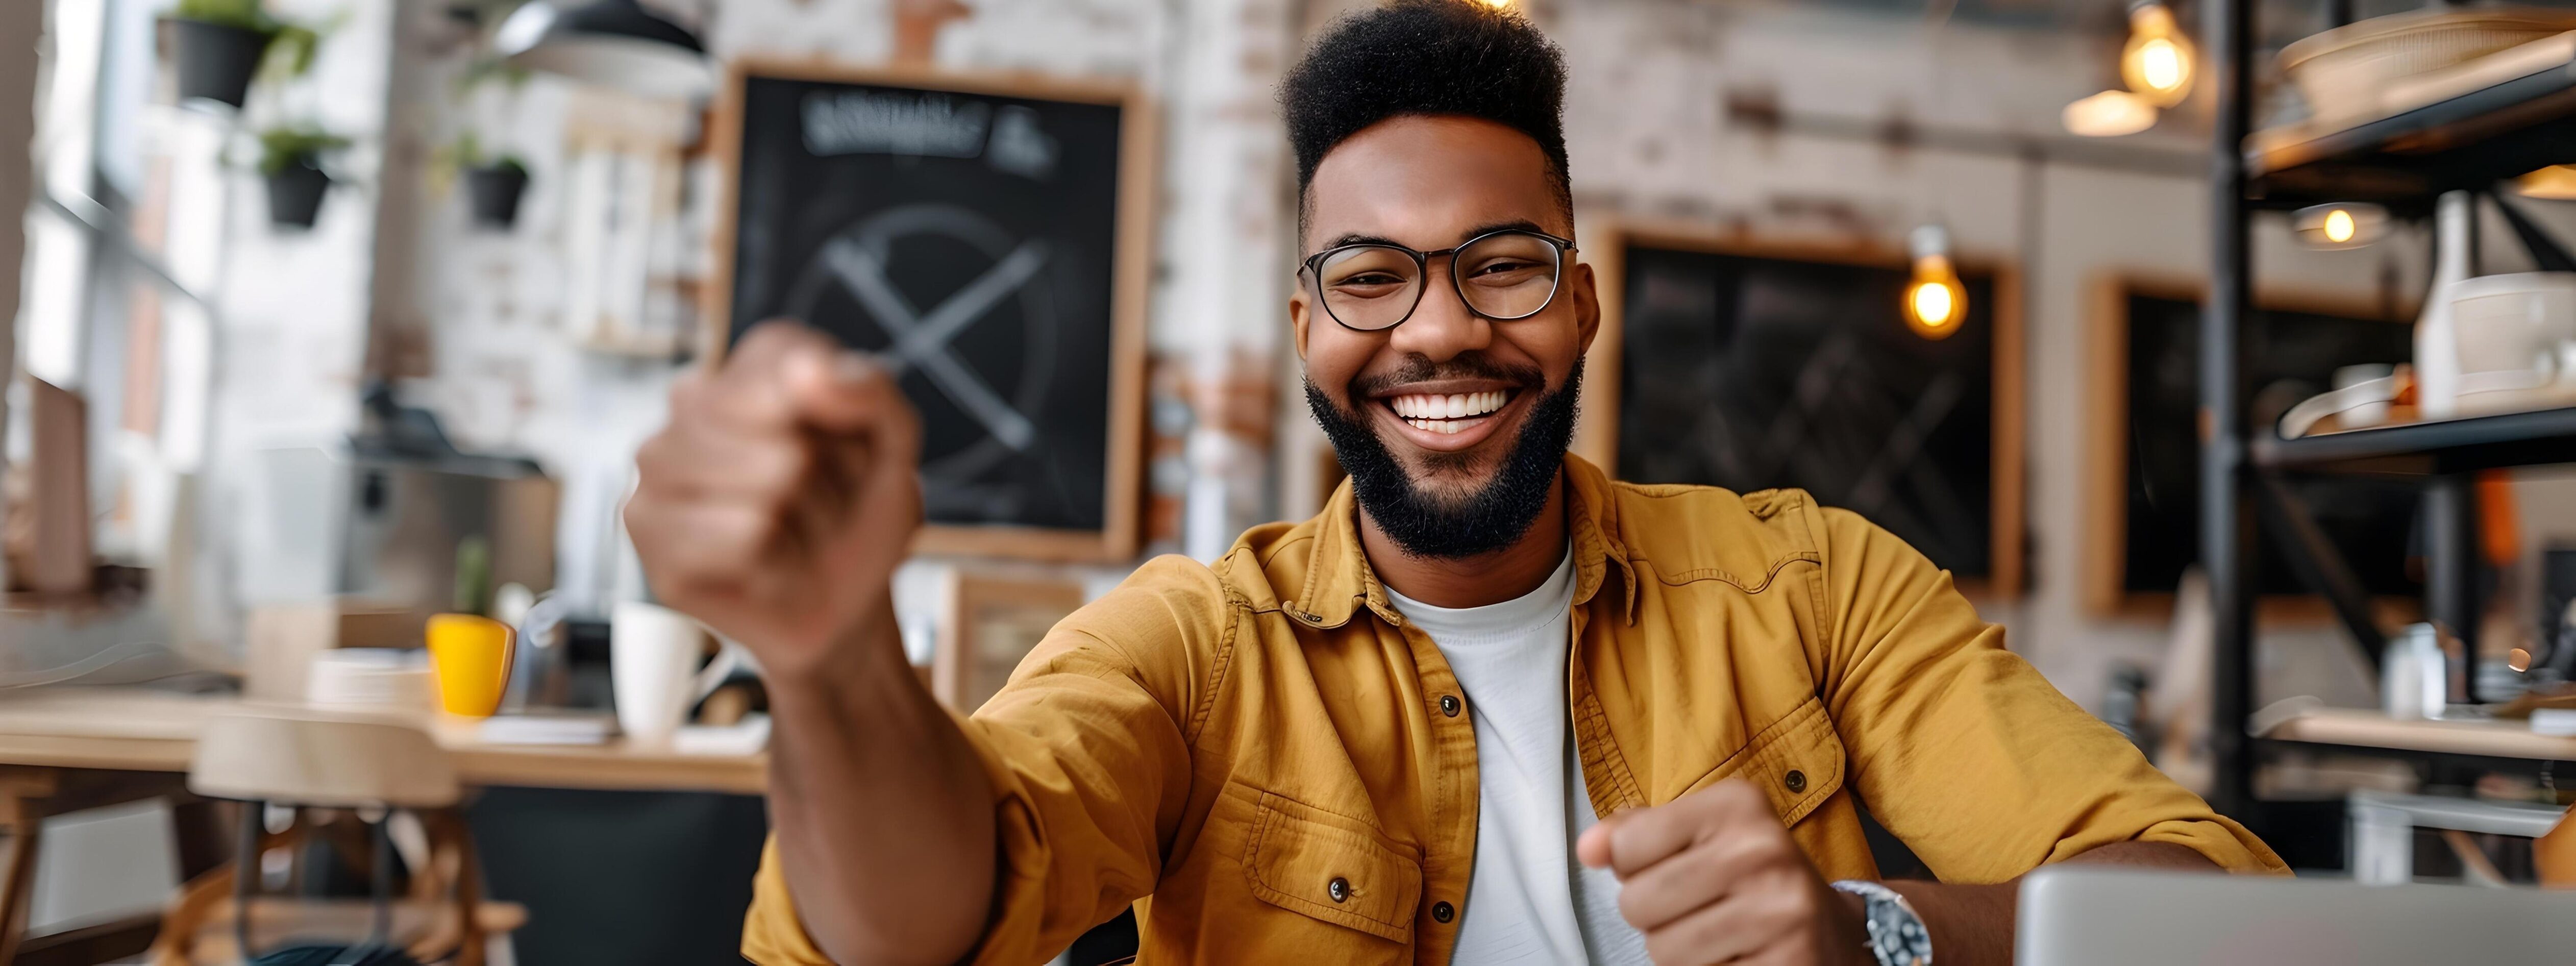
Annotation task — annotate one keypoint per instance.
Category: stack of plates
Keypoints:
(372, 677)
(2342, 72)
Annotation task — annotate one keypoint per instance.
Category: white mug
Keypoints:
(653, 665)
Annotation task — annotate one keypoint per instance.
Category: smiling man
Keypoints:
(1489, 706)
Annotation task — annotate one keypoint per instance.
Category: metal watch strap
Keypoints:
(1896, 933)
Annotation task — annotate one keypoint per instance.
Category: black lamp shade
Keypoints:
(612, 43)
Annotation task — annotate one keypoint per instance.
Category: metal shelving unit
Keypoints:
(2469, 141)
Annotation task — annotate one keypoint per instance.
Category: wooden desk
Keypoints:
(136, 730)
(64, 749)
(2371, 729)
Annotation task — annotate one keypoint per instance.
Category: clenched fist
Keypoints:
(777, 502)
(1712, 877)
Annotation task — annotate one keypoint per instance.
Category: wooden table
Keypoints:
(137, 730)
(67, 749)
(2371, 729)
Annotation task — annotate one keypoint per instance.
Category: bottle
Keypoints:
(2437, 344)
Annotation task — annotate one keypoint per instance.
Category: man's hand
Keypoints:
(777, 502)
(1712, 877)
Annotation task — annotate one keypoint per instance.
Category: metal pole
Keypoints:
(2451, 571)
(2224, 547)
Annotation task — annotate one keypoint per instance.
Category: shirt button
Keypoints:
(1449, 705)
(1339, 889)
(1441, 912)
(1795, 779)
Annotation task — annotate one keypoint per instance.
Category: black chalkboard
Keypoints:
(1750, 372)
(972, 238)
(2292, 356)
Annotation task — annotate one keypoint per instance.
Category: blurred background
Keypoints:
(334, 315)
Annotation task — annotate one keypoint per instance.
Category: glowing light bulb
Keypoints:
(2157, 60)
(1932, 304)
(2338, 226)
(2160, 64)
(1935, 302)
(1498, 4)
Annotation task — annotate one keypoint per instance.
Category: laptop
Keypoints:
(2106, 916)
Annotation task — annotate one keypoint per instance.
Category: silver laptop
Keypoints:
(2103, 916)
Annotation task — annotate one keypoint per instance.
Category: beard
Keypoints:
(1424, 523)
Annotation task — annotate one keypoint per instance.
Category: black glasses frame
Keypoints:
(1313, 270)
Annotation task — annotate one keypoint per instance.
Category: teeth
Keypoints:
(1458, 406)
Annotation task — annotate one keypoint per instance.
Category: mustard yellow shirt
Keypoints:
(1218, 745)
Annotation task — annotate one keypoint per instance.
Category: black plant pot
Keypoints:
(295, 194)
(494, 192)
(216, 60)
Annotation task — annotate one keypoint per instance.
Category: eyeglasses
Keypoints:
(1502, 275)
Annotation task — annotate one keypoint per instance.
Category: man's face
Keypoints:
(1430, 183)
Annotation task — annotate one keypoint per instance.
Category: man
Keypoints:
(1488, 706)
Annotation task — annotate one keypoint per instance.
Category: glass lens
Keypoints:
(1369, 286)
(1507, 276)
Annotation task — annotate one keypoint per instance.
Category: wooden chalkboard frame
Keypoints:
(2105, 489)
(1132, 263)
(1604, 242)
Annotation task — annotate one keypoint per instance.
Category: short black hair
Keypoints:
(1436, 57)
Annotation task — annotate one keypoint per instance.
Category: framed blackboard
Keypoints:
(2144, 489)
(1751, 365)
(987, 237)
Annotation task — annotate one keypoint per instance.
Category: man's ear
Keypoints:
(1587, 306)
(1299, 314)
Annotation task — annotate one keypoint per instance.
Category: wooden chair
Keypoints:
(327, 768)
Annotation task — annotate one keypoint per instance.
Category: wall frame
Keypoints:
(1607, 244)
(1128, 259)
(991, 624)
(2109, 473)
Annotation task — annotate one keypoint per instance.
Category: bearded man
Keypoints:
(1489, 706)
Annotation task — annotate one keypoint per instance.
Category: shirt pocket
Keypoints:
(1331, 867)
(1797, 761)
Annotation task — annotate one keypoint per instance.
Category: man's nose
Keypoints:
(1442, 326)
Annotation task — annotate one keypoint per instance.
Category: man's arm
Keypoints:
(1713, 877)
(883, 815)
(775, 506)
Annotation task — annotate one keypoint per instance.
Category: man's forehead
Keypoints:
(1430, 181)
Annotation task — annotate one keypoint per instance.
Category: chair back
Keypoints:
(321, 760)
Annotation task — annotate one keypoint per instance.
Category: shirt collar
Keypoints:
(1340, 582)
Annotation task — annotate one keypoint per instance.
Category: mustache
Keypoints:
(1420, 368)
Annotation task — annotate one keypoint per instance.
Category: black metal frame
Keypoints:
(1312, 269)
(2466, 143)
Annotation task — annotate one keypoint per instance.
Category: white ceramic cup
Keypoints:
(653, 665)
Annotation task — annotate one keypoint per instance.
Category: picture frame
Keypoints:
(1116, 540)
(990, 624)
(1605, 243)
(2107, 459)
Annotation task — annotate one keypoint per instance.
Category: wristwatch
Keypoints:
(1896, 934)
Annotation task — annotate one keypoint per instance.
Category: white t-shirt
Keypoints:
(1529, 900)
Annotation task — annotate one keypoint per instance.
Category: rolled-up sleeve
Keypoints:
(1087, 752)
(1962, 749)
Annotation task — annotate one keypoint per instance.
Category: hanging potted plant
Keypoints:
(493, 184)
(290, 159)
(219, 44)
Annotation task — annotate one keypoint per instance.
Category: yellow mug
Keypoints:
(473, 656)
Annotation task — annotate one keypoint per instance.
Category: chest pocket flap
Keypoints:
(1797, 761)
(1331, 867)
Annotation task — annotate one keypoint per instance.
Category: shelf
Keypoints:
(2355, 728)
(2467, 140)
(2536, 438)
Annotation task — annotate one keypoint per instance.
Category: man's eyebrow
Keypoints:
(1355, 238)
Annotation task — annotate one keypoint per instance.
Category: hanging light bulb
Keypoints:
(2339, 225)
(2157, 61)
(1935, 302)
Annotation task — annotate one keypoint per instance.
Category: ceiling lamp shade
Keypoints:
(612, 43)
(2110, 114)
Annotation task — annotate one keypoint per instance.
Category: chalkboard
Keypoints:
(2292, 356)
(985, 240)
(1759, 369)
